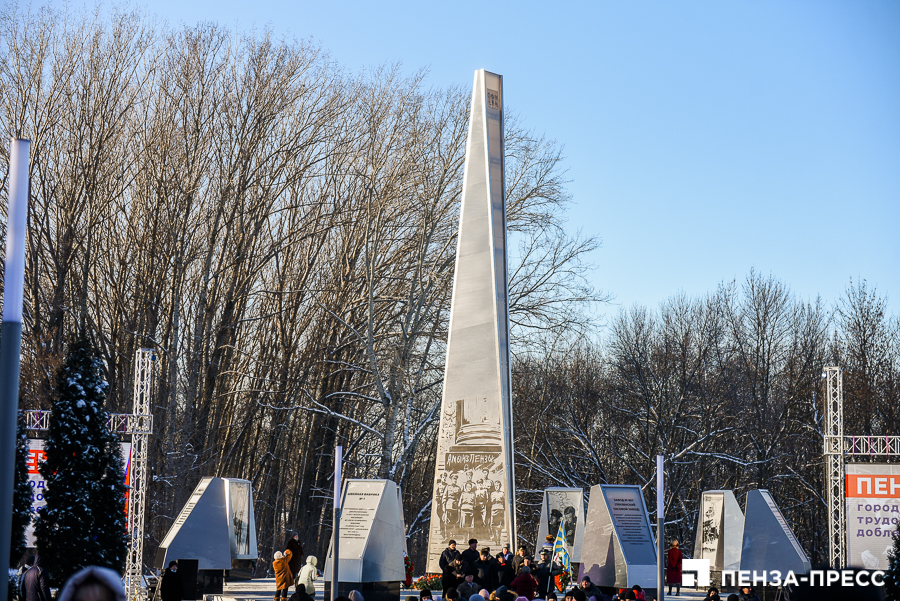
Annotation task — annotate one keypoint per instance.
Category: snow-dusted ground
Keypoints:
(263, 589)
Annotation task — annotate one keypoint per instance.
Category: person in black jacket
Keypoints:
(171, 588)
(301, 594)
(486, 570)
(449, 569)
(504, 571)
(519, 560)
(471, 555)
(544, 573)
(296, 549)
(35, 583)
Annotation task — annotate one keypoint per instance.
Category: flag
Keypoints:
(561, 557)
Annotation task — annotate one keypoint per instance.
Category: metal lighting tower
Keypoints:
(834, 466)
(140, 427)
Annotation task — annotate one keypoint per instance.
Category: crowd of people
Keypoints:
(469, 575)
(475, 574)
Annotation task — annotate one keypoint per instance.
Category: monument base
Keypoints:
(371, 591)
(241, 569)
(210, 582)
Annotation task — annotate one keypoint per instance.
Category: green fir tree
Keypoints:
(83, 523)
(21, 514)
(892, 574)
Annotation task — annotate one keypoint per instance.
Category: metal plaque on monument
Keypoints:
(563, 506)
(372, 541)
(769, 542)
(720, 531)
(619, 548)
(474, 484)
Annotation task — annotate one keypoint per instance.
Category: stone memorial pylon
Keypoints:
(474, 485)
(769, 543)
(720, 531)
(563, 506)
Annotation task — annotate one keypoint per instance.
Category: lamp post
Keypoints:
(336, 530)
(660, 529)
(11, 342)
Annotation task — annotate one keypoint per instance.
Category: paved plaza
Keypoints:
(263, 589)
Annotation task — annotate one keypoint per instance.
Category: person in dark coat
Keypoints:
(471, 555)
(448, 555)
(293, 545)
(673, 567)
(747, 594)
(468, 587)
(454, 575)
(171, 587)
(486, 570)
(504, 571)
(518, 561)
(301, 594)
(449, 575)
(35, 583)
(544, 573)
(591, 590)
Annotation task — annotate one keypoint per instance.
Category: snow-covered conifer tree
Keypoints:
(892, 574)
(83, 523)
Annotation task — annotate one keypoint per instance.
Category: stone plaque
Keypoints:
(563, 506)
(720, 530)
(769, 542)
(474, 483)
(372, 535)
(361, 500)
(619, 548)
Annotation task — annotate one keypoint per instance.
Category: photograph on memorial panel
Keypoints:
(239, 500)
(563, 507)
(470, 490)
(710, 528)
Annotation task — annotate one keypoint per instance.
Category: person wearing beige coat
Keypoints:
(308, 575)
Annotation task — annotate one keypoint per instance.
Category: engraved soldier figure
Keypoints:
(496, 501)
(441, 489)
(467, 509)
(482, 516)
(451, 503)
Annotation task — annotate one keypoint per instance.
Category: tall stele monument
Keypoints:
(474, 484)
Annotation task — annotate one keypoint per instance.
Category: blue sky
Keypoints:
(703, 139)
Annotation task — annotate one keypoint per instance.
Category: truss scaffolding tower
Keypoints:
(834, 467)
(837, 449)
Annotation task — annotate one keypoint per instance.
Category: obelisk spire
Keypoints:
(474, 493)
